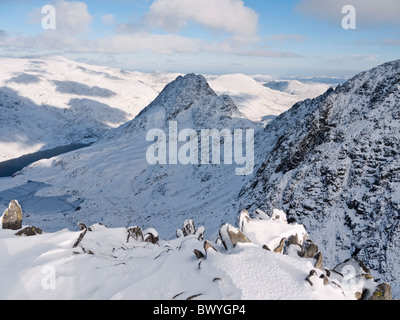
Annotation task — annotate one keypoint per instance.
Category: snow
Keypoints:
(271, 232)
(297, 88)
(104, 266)
(47, 102)
(52, 101)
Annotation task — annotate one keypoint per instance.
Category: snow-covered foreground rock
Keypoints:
(102, 263)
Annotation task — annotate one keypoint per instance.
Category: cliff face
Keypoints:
(333, 164)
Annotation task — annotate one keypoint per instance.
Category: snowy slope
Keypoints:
(49, 102)
(107, 264)
(256, 102)
(297, 88)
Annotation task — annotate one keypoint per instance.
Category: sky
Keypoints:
(292, 37)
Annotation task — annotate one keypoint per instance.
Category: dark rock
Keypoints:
(312, 274)
(281, 246)
(199, 255)
(151, 236)
(135, 233)
(81, 236)
(12, 216)
(319, 262)
(188, 228)
(231, 236)
(382, 292)
(265, 247)
(294, 239)
(208, 246)
(82, 226)
(200, 233)
(308, 250)
(29, 232)
(325, 278)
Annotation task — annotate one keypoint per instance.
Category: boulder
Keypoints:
(200, 233)
(382, 292)
(135, 233)
(319, 261)
(231, 236)
(308, 250)
(29, 232)
(199, 255)
(12, 216)
(294, 239)
(281, 246)
(151, 235)
(208, 245)
(188, 228)
(312, 274)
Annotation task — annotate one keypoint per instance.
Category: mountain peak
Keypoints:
(181, 94)
(190, 101)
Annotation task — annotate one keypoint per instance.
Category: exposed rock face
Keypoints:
(12, 217)
(332, 164)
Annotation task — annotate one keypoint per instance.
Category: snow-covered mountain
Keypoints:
(332, 163)
(52, 101)
(117, 184)
(47, 102)
(297, 88)
(255, 101)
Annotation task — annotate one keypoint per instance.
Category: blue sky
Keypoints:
(291, 37)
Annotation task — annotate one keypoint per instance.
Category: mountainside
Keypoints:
(332, 163)
(113, 183)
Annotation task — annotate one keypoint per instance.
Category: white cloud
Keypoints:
(368, 11)
(72, 17)
(108, 19)
(221, 15)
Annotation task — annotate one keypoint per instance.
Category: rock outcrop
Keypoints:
(12, 216)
